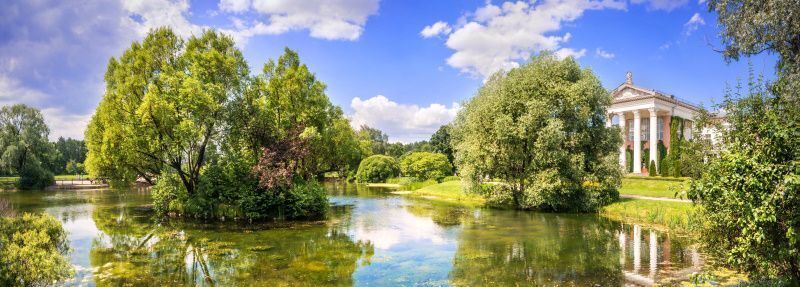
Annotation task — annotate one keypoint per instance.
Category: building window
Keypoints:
(645, 129)
(630, 129)
(660, 125)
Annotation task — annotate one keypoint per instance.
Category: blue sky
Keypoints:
(400, 65)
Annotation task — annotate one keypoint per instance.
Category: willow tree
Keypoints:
(540, 129)
(163, 106)
(24, 147)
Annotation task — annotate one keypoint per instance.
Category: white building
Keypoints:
(644, 116)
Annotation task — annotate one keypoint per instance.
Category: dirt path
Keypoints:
(654, 198)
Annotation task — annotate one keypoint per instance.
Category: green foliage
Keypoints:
(628, 159)
(425, 165)
(73, 167)
(374, 139)
(652, 168)
(217, 142)
(68, 150)
(164, 105)
(24, 147)
(663, 163)
(33, 251)
(540, 129)
(675, 146)
(751, 194)
(377, 168)
(35, 177)
(750, 27)
(441, 143)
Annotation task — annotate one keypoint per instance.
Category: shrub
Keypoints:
(229, 190)
(33, 177)
(377, 168)
(651, 170)
(32, 251)
(425, 165)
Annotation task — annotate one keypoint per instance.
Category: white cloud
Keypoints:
(701, 2)
(65, 124)
(160, 13)
(405, 123)
(495, 38)
(325, 19)
(234, 5)
(569, 52)
(665, 5)
(604, 54)
(13, 92)
(693, 24)
(438, 28)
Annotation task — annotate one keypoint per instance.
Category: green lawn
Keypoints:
(449, 191)
(676, 216)
(5, 179)
(652, 186)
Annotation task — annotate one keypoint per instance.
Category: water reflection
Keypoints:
(132, 249)
(666, 257)
(371, 238)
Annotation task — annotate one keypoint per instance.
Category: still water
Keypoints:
(371, 238)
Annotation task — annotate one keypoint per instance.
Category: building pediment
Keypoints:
(629, 92)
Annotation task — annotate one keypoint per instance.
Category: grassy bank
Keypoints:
(675, 216)
(652, 186)
(449, 191)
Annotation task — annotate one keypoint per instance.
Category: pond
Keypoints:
(370, 238)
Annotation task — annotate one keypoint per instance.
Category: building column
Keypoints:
(653, 139)
(622, 161)
(637, 142)
(608, 120)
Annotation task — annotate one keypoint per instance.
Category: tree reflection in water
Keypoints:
(517, 248)
(536, 249)
(135, 251)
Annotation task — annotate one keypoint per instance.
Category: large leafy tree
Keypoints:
(24, 146)
(377, 140)
(540, 129)
(288, 100)
(750, 196)
(69, 150)
(750, 27)
(440, 142)
(164, 106)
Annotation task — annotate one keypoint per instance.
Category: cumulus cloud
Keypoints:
(160, 13)
(435, 29)
(693, 24)
(402, 122)
(569, 52)
(665, 5)
(498, 37)
(234, 5)
(53, 54)
(604, 54)
(324, 19)
(12, 92)
(64, 123)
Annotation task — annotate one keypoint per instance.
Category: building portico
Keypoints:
(644, 116)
